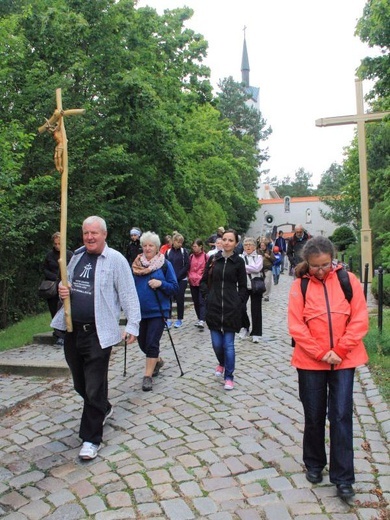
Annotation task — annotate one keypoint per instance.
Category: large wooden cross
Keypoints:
(56, 126)
(360, 118)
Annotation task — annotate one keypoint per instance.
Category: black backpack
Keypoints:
(345, 283)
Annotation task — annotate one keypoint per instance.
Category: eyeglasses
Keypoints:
(320, 267)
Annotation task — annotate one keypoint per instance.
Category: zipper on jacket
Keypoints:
(329, 320)
(222, 289)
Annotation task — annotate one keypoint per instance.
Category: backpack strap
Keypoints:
(304, 284)
(345, 283)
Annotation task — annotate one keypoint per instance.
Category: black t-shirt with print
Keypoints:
(83, 289)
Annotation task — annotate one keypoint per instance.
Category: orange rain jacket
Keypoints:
(327, 321)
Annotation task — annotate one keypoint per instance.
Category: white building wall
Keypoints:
(303, 210)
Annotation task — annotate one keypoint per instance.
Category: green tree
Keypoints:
(343, 237)
(245, 120)
(373, 28)
(298, 186)
(149, 108)
(331, 181)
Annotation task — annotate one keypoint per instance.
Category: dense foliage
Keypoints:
(153, 149)
(342, 238)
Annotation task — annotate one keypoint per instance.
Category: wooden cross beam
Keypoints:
(56, 126)
(360, 119)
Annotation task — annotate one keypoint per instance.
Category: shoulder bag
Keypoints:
(257, 282)
(47, 289)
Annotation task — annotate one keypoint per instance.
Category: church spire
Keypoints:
(245, 64)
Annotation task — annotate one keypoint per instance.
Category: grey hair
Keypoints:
(150, 236)
(249, 240)
(93, 219)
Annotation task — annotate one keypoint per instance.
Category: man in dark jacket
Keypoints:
(280, 242)
(295, 245)
(134, 246)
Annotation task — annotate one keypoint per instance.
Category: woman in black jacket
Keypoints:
(51, 270)
(223, 286)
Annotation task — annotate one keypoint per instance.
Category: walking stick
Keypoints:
(125, 360)
(56, 126)
(169, 332)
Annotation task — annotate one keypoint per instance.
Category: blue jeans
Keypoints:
(329, 392)
(223, 345)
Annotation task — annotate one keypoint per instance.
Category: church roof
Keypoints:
(312, 198)
(254, 92)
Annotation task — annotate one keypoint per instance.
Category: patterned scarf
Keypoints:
(142, 266)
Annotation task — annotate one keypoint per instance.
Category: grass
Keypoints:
(22, 333)
(378, 348)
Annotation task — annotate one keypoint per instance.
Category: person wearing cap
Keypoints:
(134, 246)
(276, 264)
(212, 239)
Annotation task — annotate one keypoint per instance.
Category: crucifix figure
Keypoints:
(360, 118)
(56, 126)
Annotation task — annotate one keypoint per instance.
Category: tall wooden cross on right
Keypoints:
(360, 118)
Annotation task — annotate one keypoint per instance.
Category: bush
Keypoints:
(352, 253)
(386, 288)
(342, 238)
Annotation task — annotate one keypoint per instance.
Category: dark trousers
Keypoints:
(256, 313)
(199, 303)
(150, 332)
(329, 392)
(88, 363)
(179, 298)
(53, 305)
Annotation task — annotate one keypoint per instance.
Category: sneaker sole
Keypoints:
(86, 457)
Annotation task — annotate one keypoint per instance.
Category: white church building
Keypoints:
(277, 214)
(282, 214)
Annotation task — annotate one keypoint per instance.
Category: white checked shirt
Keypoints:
(114, 290)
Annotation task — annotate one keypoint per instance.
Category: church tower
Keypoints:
(245, 65)
(253, 91)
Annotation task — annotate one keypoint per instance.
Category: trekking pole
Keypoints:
(169, 333)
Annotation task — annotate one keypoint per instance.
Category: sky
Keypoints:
(303, 55)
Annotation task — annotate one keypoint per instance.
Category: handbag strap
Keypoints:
(247, 263)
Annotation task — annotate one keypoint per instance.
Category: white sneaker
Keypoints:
(256, 339)
(243, 333)
(89, 451)
(201, 324)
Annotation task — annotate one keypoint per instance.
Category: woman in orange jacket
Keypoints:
(328, 331)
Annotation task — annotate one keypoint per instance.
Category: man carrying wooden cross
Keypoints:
(100, 285)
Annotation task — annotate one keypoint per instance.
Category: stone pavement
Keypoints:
(188, 449)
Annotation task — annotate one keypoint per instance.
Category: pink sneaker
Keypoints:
(219, 371)
(229, 385)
